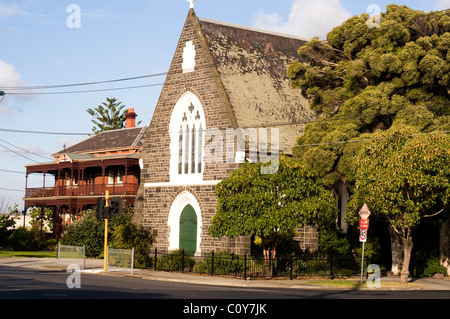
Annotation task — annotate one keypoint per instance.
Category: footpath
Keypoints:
(95, 266)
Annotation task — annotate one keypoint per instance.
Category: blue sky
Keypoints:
(115, 40)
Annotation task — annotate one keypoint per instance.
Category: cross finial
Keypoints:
(192, 3)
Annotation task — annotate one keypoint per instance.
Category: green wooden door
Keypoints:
(188, 230)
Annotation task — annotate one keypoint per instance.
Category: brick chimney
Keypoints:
(131, 118)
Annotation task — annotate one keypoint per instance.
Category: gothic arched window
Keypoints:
(186, 130)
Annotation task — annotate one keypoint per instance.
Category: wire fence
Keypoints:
(253, 267)
(120, 259)
(73, 254)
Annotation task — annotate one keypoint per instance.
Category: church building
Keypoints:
(224, 79)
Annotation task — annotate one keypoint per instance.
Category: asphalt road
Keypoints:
(22, 283)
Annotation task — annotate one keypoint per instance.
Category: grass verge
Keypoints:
(357, 284)
(34, 254)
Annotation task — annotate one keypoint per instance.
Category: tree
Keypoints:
(108, 115)
(40, 219)
(87, 231)
(271, 206)
(403, 180)
(7, 223)
(362, 78)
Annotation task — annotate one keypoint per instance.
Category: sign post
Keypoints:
(364, 213)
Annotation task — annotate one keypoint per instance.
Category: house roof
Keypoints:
(252, 66)
(128, 138)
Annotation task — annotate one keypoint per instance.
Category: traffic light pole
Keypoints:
(105, 248)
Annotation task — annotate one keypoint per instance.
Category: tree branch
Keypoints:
(434, 213)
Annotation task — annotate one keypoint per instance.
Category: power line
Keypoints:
(11, 171)
(12, 190)
(42, 132)
(17, 153)
(22, 149)
(82, 84)
(84, 91)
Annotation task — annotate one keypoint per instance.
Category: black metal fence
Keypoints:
(252, 267)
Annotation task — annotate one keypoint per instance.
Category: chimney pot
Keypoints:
(131, 118)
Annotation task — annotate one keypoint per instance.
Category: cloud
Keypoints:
(9, 10)
(9, 77)
(307, 18)
(442, 4)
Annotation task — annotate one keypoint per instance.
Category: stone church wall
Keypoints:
(155, 201)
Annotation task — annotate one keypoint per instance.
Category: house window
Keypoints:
(186, 130)
(67, 178)
(119, 176)
(115, 176)
(111, 177)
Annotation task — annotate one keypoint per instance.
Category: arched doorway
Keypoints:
(185, 224)
(188, 230)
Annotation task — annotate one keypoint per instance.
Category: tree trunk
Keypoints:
(444, 245)
(396, 251)
(407, 249)
(269, 259)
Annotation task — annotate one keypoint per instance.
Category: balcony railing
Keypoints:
(82, 190)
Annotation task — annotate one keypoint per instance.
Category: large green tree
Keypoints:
(362, 79)
(271, 206)
(403, 177)
(109, 115)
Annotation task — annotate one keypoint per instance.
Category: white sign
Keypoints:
(364, 213)
(363, 235)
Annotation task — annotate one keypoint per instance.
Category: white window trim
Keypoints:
(181, 201)
(176, 122)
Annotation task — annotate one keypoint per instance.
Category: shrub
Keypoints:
(430, 267)
(7, 223)
(224, 263)
(126, 235)
(174, 261)
(87, 231)
(19, 239)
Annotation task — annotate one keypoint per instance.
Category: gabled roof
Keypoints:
(122, 139)
(252, 67)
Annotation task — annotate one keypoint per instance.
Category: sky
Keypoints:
(50, 42)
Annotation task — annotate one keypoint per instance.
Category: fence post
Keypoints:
(245, 267)
(182, 261)
(59, 252)
(331, 267)
(367, 273)
(106, 259)
(156, 256)
(132, 260)
(212, 263)
(84, 256)
(292, 268)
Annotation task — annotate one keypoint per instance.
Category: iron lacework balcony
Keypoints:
(82, 190)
